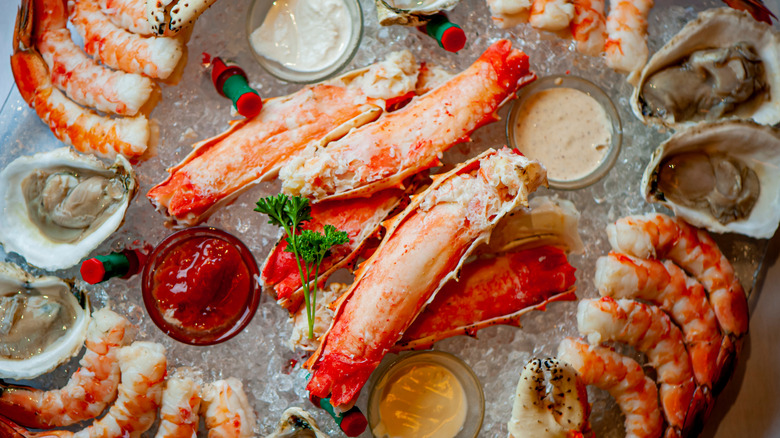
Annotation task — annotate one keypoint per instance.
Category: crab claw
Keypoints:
(550, 401)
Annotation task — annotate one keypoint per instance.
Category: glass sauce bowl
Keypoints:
(258, 10)
(200, 286)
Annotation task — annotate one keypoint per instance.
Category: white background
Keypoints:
(750, 404)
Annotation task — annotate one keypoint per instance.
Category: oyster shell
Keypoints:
(297, 423)
(722, 176)
(42, 323)
(58, 206)
(410, 12)
(723, 64)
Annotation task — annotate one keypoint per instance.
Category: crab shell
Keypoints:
(20, 234)
(15, 280)
(716, 28)
(755, 145)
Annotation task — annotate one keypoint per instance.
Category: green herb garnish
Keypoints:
(309, 247)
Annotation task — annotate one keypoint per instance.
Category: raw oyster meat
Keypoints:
(58, 206)
(410, 12)
(43, 322)
(723, 64)
(722, 176)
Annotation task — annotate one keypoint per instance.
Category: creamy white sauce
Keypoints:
(565, 129)
(304, 35)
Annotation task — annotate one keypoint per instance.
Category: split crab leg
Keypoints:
(537, 239)
(424, 248)
(368, 159)
(493, 291)
(72, 124)
(253, 150)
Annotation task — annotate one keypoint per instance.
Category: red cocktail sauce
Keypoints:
(200, 286)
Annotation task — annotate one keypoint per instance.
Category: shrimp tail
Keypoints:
(726, 363)
(18, 412)
(698, 411)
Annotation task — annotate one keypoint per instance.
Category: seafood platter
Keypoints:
(384, 218)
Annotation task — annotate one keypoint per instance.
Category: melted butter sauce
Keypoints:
(421, 400)
(565, 129)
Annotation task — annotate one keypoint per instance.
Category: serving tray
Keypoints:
(273, 379)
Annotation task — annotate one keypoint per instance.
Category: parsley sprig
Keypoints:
(309, 247)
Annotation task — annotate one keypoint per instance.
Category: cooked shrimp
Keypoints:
(666, 285)
(142, 367)
(550, 401)
(155, 57)
(226, 410)
(551, 15)
(79, 76)
(650, 331)
(658, 235)
(127, 14)
(623, 378)
(626, 45)
(89, 390)
(508, 13)
(180, 406)
(79, 127)
(588, 26)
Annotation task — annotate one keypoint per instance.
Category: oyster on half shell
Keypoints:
(723, 176)
(410, 12)
(723, 64)
(58, 206)
(43, 322)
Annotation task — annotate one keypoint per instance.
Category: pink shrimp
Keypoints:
(180, 406)
(626, 45)
(623, 378)
(226, 410)
(89, 390)
(128, 14)
(79, 127)
(658, 235)
(551, 15)
(79, 76)
(156, 57)
(508, 13)
(649, 330)
(142, 368)
(588, 26)
(666, 285)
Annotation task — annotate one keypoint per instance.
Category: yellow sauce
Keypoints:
(565, 129)
(421, 400)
